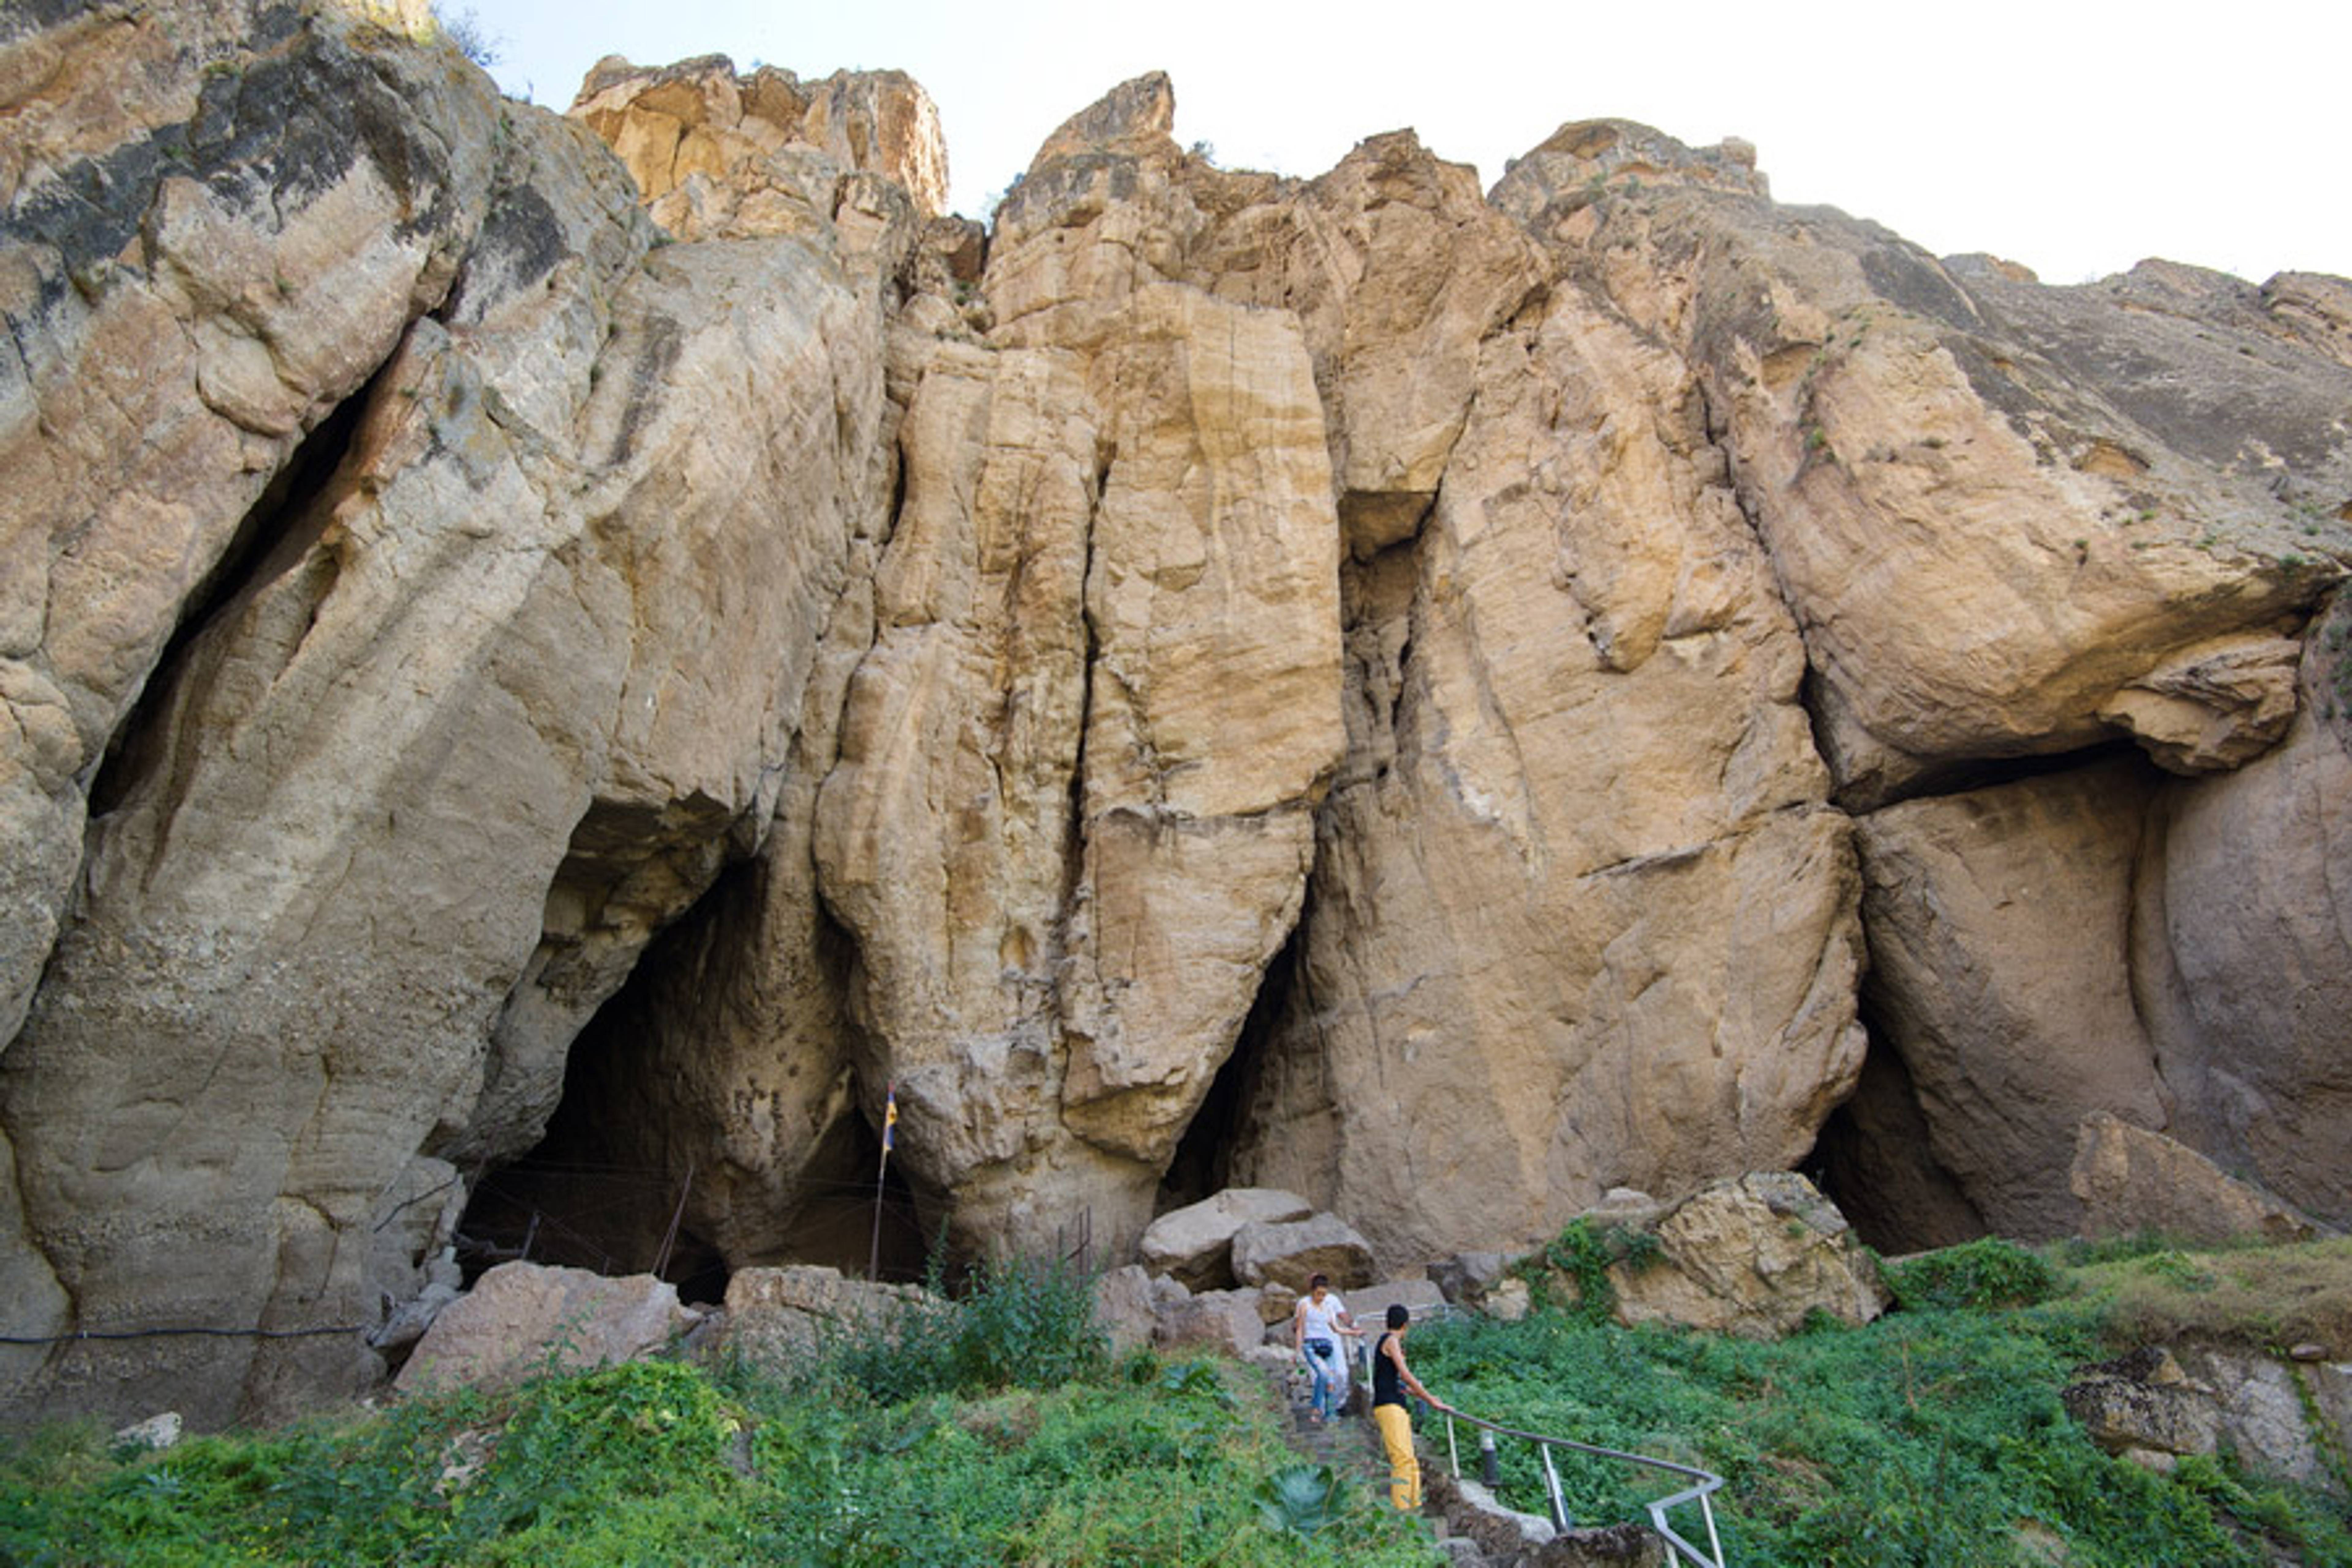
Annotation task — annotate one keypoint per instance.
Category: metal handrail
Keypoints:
(1709, 1481)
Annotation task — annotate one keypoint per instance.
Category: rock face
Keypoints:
(717, 155)
(1505, 910)
(480, 711)
(2131, 1180)
(2155, 1407)
(638, 623)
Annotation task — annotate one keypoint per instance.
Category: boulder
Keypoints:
(1757, 1256)
(2276, 1429)
(777, 1316)
(2130, 1179)
(155, 1433)
(1509, 1301)
(2156, 1405)
(1276, 1304)
(524, 1317)
(1194, 1244)
(1131, 1304)
(1421, 1298)
(2144, 1402)
(1223, 1321)
(1466, 1277)
(1292, 1252)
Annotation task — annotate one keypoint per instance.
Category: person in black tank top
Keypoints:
(1391, 1377)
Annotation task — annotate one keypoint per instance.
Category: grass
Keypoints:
(1933, 1437)
(906, 1443)
(1000, 1429)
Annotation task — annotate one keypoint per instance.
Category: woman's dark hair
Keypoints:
(1398, 1316)
(1322, 1279)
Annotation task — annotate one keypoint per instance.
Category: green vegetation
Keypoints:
(1000, 1429)
(1572, 1273)
(1984, 1274)
(1933, 1437)
(996, 1431)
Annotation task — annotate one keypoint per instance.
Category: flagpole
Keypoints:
(889, 1131)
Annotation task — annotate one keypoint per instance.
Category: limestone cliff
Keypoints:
(636, 624)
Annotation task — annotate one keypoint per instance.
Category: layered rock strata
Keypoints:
(643, 609)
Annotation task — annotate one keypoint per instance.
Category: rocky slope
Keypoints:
(633, 630)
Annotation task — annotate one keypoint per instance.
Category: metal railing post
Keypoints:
(1679, 1550)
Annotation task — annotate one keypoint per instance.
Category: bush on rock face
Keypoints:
(1985, 1273)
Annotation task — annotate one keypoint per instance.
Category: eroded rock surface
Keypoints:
(1508, 915)
(2132, 1181)
(1757, 1256)
(1993, 505)
(1312, 682)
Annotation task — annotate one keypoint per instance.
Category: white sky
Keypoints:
(2076, 136)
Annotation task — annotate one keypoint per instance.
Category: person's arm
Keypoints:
(1346, 1323)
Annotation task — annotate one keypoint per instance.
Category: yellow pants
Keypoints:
(1404, 1470)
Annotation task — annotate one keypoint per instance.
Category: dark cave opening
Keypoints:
(1203, 1162)
(1872, 1158)
(623, 1180)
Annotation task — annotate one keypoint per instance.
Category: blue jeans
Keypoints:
(1323, 1360)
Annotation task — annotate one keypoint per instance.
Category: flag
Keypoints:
(889, 1118)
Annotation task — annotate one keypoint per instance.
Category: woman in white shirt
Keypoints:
(1315, 1330)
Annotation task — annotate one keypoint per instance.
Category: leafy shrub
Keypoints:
(1989, 1272)
(1021, 1323)
(1302, 1499)
(1582, 1256)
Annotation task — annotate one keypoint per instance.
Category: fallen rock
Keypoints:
(777, 1316)
(1509, 1301)
(1466, 1277)
(1755, 1256)
(2264, 1417)
(1131, 1304)
(1193, 1244)
(155, 1433)
(1224, 1321)
(2145, 1401)
(2130, 1179)
(523, 1317)
(1421, 1298)
(1292, 1252)
(1502, 1533)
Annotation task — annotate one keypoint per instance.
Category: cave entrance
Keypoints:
(1203, 1165)
(588, 1198)
(624, 1181)
(1874, 1160)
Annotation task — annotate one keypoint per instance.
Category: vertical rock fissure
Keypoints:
(1202, 1164)
(284, 505)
